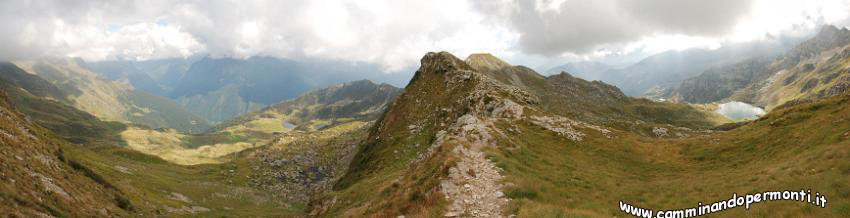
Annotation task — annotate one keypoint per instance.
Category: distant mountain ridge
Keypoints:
(106, 99)
(815, 68)
(588, 70)
(219, 89)
(666, 70)
(361, 100)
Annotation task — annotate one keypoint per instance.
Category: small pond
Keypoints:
(739, 110)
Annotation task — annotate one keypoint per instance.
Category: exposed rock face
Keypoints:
(299, 165)
(718, 83)
(565, 126)
(660, 131)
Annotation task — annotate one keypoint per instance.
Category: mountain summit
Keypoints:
(432, 140)
(485, 62)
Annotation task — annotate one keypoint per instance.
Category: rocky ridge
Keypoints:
(473, 185)
(299, 165)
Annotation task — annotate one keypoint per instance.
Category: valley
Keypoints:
(270, 117)
(356, 149)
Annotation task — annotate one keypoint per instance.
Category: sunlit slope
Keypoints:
(112, 100)
(357, 100)
(157, 188)
(338, 105)
(131, 183)
(46, 105)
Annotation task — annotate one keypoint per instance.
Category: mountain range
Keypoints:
(666, 70)
(219, 89)
(812, 69)
(473, 137)
(66, 81)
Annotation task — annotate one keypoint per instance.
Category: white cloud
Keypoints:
(393, 33)
(135, 42)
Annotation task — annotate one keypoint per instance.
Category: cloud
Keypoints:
(582, 26)
(392, 33)
(90, 29)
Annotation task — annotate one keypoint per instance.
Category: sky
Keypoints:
(395, 34)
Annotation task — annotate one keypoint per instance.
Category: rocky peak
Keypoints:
(832, 35)
(828, 37)
(830, 31)
(370, 83)
(596, 87)
(486, 62)
(442, 62)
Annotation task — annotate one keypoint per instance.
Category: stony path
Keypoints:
(473, 186)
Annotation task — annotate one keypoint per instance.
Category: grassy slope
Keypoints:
(798, 147)
(112, 100)
(37, 98)
(38, 179)
(159, 112)
(327, 108)
(592, 101)
(67, 122)
(383, 182)
(150, 179)
(604, 104)
(144, 182)
(803, 147)
(357, 100)
(148, 182)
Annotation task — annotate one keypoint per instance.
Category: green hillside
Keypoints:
(474, 138)
(39, 180)
(339, 105)
(95, 175)
(549, 163)
(111, 100)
